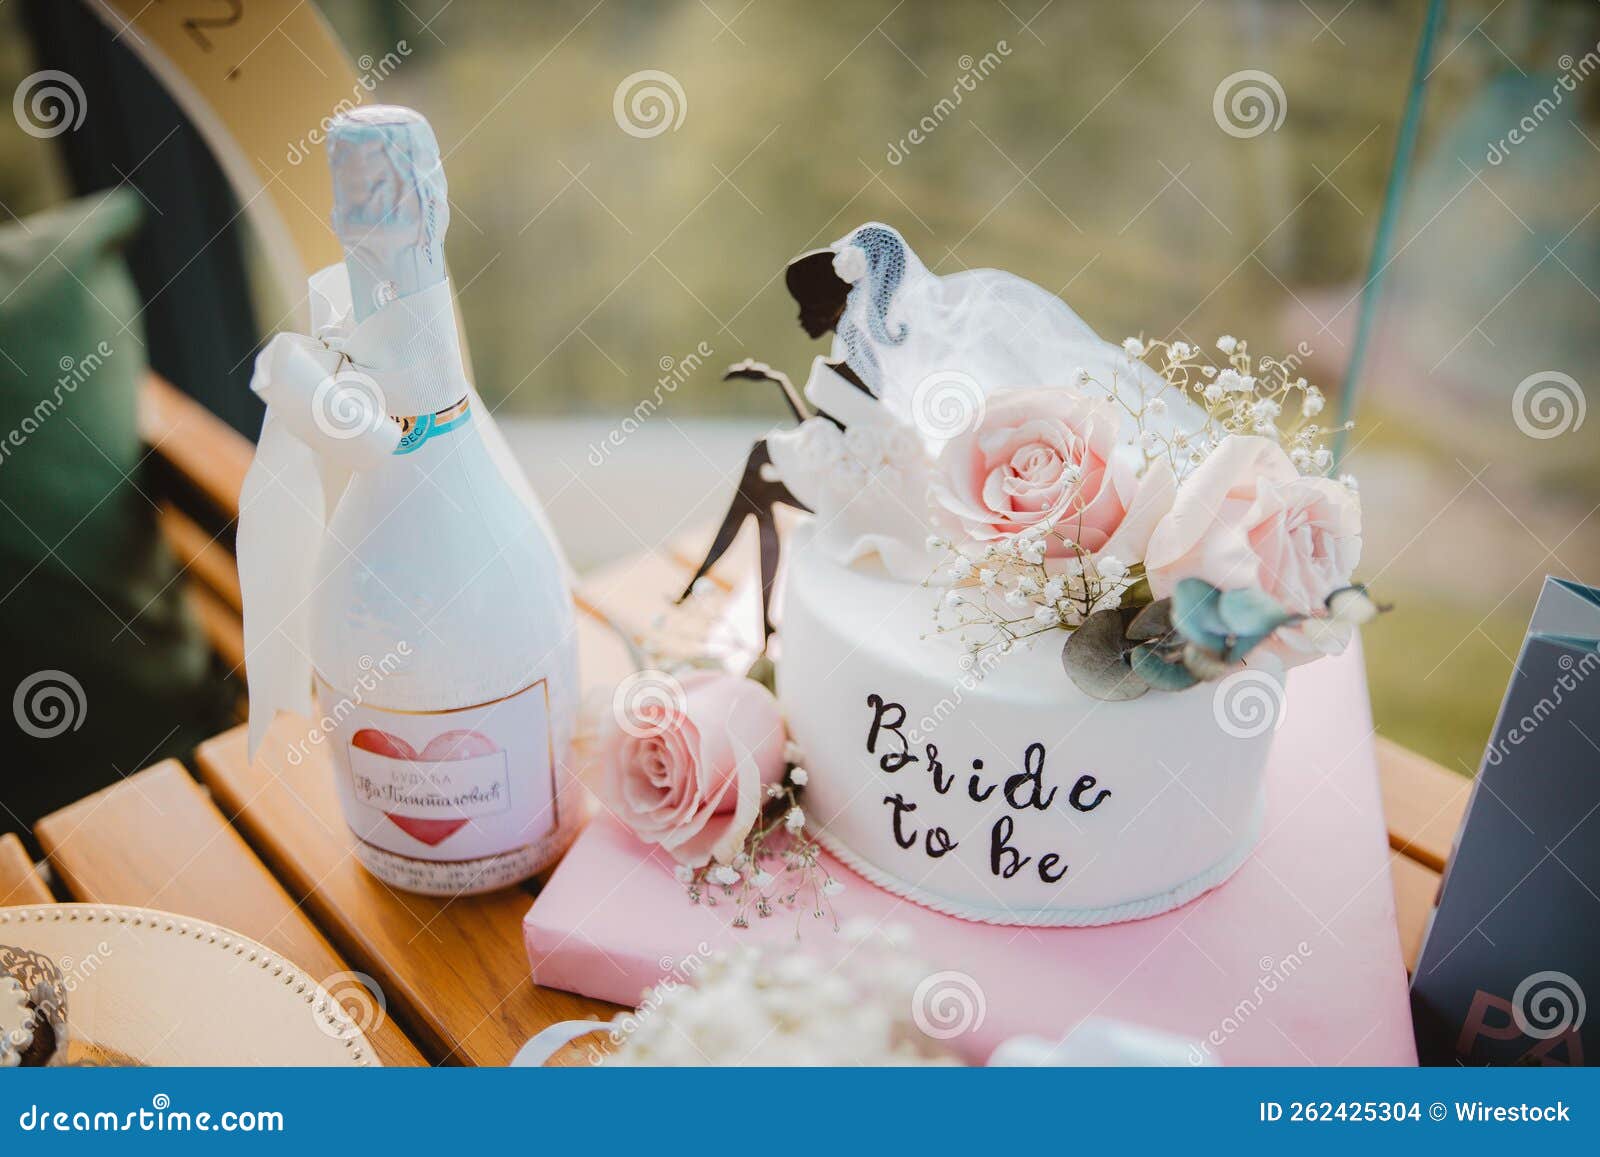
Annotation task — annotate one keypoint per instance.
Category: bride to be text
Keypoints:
(1021, 792)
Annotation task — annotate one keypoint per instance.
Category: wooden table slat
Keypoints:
(223, 627)
(1422, 802)
(20, 881)
(155, 840)
(204, 558)
(1416, 887)
(203, 448)
(454, 970)
(635, 591)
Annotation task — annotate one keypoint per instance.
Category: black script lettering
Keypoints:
(972, 784)
(901, 807)
(938, 842)
(1046, 862)
(881, 721)
(1032, 777)
(1085, 785)
(1002, 853)
(941, 779)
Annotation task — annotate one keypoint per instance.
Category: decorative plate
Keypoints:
(145, 987)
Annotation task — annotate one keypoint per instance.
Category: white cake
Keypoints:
(1034, 635)
(1148, 802)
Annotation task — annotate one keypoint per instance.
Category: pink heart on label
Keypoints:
(451, 745)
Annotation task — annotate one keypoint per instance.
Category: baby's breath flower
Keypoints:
(1133, 347)
(1227, 344)
(799, 777)
(1265, 410)
(1110, 600)
(794, 820)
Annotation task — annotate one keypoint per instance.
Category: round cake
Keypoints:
(1034, 630)
(1001, 792)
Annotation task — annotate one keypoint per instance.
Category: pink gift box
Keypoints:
(1295, 960)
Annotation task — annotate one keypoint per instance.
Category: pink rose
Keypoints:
(1247, 518)
(691, 779)
(1057, 456)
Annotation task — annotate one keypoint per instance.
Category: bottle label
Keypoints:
(446, 786)
(415, 431)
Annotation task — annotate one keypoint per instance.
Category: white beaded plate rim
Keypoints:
(267, 982)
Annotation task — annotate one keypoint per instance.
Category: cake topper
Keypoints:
(815, 284)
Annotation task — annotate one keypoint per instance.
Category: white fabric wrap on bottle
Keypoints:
(306, 455)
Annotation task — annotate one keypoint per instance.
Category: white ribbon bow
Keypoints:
(326, 418)
(329, 397)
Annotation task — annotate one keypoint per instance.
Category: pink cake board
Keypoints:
(1294, 961)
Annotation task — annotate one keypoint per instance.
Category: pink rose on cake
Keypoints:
(1053, 456)
(1247, 518)
(689, 774)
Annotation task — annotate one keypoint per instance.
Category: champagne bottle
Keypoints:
(441, 636)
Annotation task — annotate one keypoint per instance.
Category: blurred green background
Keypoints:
(1088, 152)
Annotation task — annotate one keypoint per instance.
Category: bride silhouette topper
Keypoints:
(822, 296)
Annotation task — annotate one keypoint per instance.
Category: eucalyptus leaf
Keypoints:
(1096, 658)
(1250, 616)
(1248, 611)
(1207, 665)
(1138, 593)
(1154, 621)
(1147, 663)
(1197, 616)
(765, 672)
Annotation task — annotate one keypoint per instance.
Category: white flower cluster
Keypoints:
(852, 460)
(1008, 592)
(1264, 396)
(779, 868)
(777, 1005)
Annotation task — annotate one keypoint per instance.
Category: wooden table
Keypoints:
(262, 849)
